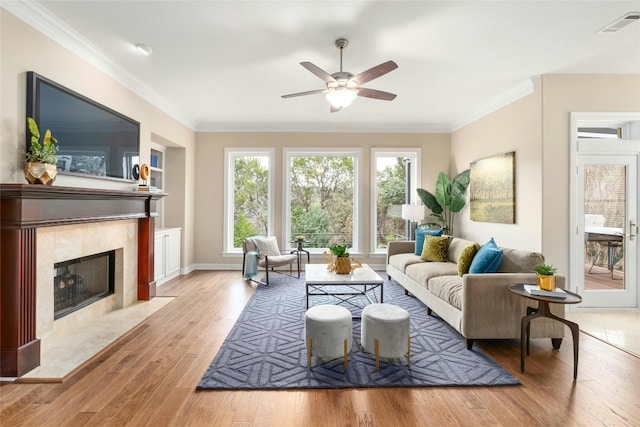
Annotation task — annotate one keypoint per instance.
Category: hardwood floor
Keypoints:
(148, 378)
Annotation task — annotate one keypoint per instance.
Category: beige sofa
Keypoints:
(478, 306)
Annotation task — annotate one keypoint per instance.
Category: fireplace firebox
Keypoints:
(82, 281)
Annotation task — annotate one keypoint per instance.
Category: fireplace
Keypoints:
(44, 225)
(82, 281)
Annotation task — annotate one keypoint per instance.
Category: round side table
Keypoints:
(543, 310)
(300, 249)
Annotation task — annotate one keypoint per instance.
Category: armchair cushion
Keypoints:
(277, 260)
(267, 246)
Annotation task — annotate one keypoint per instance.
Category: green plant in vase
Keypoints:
(40, 158)
(546, 276)
(339, 250)
(342, 263)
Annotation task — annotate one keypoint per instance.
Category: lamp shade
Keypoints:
(413, 212)
(341, 97)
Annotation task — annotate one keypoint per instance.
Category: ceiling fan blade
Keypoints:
(375, 72)
(309, 92)
(376, 94)
(326, 77)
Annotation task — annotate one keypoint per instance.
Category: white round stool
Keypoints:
(385, 331)
(327, 333)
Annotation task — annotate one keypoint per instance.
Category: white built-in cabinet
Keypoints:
(167, 254)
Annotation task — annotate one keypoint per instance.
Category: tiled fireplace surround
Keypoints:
(45, 225)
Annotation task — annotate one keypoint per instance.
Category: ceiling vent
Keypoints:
(619, 24)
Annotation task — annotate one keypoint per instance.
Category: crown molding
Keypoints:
(520, 90)
(325, 127)
(38, 17)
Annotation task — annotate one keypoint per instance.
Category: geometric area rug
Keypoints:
(265, 349)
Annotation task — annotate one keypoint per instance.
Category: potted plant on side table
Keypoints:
(40, 161)
(546, 276)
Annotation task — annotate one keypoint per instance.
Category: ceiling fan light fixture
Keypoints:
(341, 97)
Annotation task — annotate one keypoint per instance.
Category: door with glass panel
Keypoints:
(608, 196)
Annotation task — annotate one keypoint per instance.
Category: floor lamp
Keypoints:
(413, 213)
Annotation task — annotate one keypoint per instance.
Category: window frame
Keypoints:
(230, 154)
(416, 173)
(356, 153)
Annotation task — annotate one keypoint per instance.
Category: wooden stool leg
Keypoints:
(377, 355)
(409, 350)
(309, 351)
(345, 355)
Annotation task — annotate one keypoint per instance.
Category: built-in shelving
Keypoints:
(156, 165)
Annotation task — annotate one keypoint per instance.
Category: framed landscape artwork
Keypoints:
(492, 189)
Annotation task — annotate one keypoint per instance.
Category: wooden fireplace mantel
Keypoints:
(25, 208)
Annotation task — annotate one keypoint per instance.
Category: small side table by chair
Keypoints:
(301, 249)
(543, 310)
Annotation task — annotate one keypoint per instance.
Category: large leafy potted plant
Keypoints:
(40, 160)
(449, 198)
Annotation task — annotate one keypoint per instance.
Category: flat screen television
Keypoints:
(93, 140)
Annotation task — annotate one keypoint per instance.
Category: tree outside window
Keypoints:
(390, 195)
(321, 199)
(248, 196)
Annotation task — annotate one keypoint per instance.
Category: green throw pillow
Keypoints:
(435, 248)
(465, 258)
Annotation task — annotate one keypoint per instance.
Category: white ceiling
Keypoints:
(223, 65)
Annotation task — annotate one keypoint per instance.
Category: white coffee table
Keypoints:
(362, 282)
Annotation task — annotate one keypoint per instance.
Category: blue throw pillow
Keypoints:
(487, 259)
(420, 233)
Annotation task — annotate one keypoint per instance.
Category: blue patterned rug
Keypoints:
(265, 349)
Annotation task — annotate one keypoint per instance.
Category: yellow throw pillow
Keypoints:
(435, 248)
(465, 258)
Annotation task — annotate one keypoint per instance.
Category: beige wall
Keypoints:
(561, 95)
(537, 128)
(25, 49)
(210, 178)
(516, 127)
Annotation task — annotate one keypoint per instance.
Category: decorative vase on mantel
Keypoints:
(40, 173)
(40, 162)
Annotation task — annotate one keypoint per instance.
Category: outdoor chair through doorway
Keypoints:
(264, 252)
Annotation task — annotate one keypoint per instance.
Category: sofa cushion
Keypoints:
(487, 259)
(519, 261)
(466, 257)
(401, 261)
(424, 271)
(448, 289)
(420, 233)
(435, 248)
(456, 246)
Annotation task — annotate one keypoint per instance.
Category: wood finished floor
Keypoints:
(148, 378)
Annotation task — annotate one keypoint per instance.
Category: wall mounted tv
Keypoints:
(94, 140)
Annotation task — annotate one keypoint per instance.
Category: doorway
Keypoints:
(604, 250)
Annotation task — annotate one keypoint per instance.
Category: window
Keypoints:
(321, 197)
(248, 197)
(389, 170)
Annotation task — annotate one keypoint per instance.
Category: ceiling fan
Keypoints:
(343, 87)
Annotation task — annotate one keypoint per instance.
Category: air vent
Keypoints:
(619, 24)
